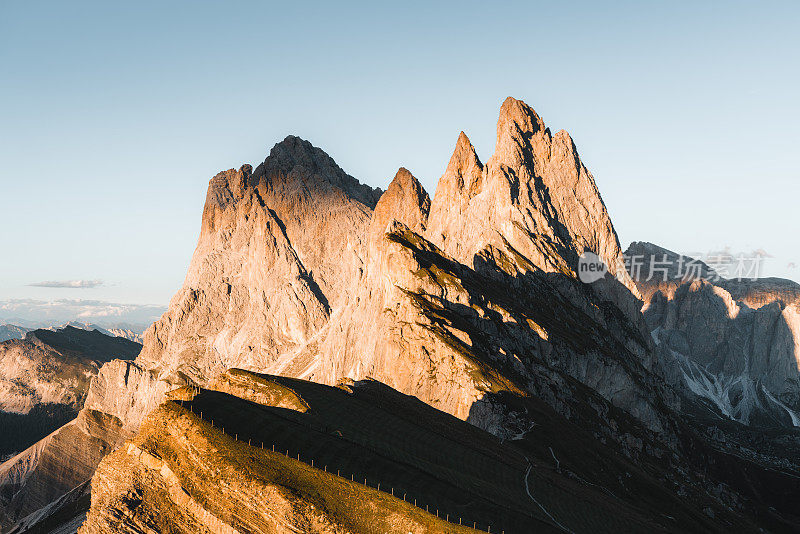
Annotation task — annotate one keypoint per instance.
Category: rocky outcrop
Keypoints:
(300, 270)
(295, 273)
(533, 195)
(733, 343)
(45, 382)
(62, 461)
(55, 367)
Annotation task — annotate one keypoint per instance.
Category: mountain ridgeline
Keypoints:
(380, 323)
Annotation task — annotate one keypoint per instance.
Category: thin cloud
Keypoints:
(69, 284)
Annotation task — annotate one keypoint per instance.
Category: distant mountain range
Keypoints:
(127, 331)
(10, 331)
(734, 344)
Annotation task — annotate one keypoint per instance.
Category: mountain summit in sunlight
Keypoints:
(441, 354)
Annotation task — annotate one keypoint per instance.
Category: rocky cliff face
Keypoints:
(733, 343)
(55, 367)
(278, 250)
(302, 271)
(45, 382)
(469, 302)
(45, 379)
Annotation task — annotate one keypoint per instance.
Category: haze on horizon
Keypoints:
(114, 117)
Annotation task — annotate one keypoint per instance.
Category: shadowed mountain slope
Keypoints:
(733, 344)
(45, 378)
(411, 468)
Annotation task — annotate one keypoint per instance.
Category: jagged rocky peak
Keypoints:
(296, 161)
(406, 201)
(224, 189)
(517, 122)
(279, 250)
(533, 196)
(464, 171)
(294, 168)
(462, 180)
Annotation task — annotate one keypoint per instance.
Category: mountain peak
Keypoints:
(296, 160)
(464, 168)
(517, 113)
(405, 200)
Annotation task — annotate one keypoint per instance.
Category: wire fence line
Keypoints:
(297, 457)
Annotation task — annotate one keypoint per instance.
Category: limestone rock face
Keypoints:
(533, 195)
(733, 343)
(56, 465)
(302, 271)
(54, 367)
(405, 200)
(277, 250)
(44, 383)
(126, 391)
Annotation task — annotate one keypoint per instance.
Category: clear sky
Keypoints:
(114, 115)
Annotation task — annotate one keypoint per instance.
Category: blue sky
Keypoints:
(113, 117)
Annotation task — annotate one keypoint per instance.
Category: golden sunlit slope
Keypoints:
(273, 454)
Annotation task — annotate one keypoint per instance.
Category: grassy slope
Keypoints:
(373, 433)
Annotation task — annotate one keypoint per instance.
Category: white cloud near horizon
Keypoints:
(69, 284)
